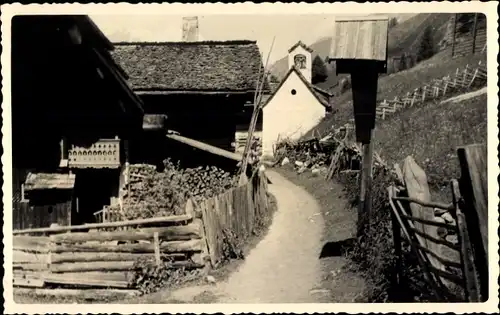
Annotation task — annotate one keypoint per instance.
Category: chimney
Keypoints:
(190, 29)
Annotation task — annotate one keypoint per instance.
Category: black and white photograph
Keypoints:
(325, 155)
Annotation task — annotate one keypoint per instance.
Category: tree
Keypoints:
(319, 71)
(426, 48)
(273, 78)
(393, 22)
(402, 62)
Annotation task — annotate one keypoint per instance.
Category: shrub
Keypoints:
(345, 85)
(149, 277)
(319, 71)
(426, 48)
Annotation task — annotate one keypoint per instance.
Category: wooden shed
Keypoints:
(49, 200)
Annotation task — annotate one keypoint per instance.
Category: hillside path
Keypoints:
(284, 267)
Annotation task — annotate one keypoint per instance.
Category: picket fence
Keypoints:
(105, 254)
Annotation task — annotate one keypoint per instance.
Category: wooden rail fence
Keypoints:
(104, 254)
(440, 234)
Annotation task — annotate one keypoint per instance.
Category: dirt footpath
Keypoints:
(284, 267)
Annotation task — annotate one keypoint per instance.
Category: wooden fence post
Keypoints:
(383, 113)
(445, 86)
(396, 233)
(473, 78)
(418, 188)
(474, 189)
(456, 77)
(424, 89)
(471, 280)
(466, 72)
(395, 104)
(157, 248)
(413, 98)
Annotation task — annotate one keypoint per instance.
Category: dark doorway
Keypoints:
(94, 189)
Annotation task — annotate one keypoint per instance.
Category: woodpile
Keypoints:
(151, 193)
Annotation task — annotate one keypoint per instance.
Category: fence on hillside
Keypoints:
(104, 254)
(461, 80)
(468, 37)
(443, 237)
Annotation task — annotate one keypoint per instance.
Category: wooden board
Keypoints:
(104, 256)
(84, 294)
(31, 243)
(170, 233)
(70, 279)
(417, 187)
(165, 247)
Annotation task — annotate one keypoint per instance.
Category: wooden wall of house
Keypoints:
(58, 90)
(44, 208)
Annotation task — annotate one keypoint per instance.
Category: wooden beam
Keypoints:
(59, 229)
(365, 195)
(206, 147)
(474, 33)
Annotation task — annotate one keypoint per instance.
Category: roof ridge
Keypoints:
(167, 43)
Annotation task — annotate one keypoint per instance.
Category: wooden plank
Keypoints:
(31, 243)
(474, 188)
(471, 277)
(93, 266)
(365, 202)
(156, 244)
(170, 233)
(165, 247)
(86, 294)
(20, 257)
(211, 237)
(169, 219)
(417, 188)
(28, 282)
(104, 256)
(32, 266)
(69, 279)
(117, 276)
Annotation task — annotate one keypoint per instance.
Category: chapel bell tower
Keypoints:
(300, 56)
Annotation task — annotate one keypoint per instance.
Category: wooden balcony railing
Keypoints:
(104, 153)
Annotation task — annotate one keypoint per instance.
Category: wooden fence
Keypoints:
(443, 236)
(104, 254)
(237, 210)
(461, 80)
(468, 37)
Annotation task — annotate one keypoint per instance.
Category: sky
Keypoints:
(287, 29)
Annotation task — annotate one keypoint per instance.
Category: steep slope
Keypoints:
(404, 37)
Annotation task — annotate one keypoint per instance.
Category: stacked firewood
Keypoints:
(152, 193)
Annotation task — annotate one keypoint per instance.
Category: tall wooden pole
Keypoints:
(454, 35)
(365, 195)
(474, 33)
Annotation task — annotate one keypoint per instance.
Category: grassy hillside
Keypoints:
(404, 37)
(431, 134)
(398, 84)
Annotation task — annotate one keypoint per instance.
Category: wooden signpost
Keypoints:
(360, 49)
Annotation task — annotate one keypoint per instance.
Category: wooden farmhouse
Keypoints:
(72, 116)
(205, 89)
(296, 105)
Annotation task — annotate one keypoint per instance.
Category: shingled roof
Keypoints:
(231, 66)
